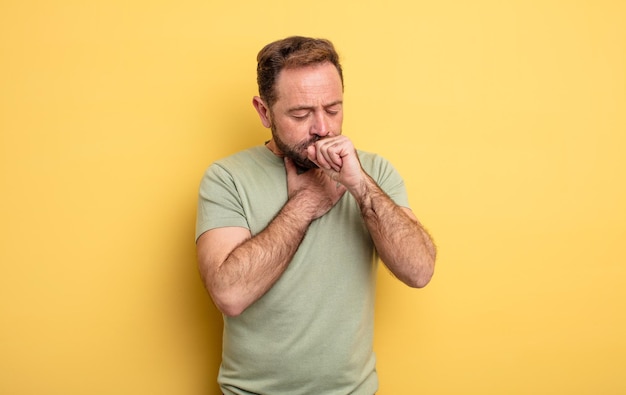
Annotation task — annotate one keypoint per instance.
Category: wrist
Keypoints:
(363, 189)
(301, 208)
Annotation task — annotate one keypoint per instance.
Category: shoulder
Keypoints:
(369, 157)
(375, 165)
(249, 161)
(249, 155)
(248, 173)
(385, 175)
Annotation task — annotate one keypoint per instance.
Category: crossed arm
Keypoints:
(238, 269)
(401, 241)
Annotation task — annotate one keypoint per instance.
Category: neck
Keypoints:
(272, 147)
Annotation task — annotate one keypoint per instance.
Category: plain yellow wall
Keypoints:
(506, 118)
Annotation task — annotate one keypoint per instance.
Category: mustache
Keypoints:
(306, 144)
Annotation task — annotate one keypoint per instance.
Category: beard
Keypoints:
(298, 152)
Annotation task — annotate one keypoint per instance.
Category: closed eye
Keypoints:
(334, 109)
(300, 115)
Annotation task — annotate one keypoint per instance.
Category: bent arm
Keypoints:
(402, 243)
(238, 269)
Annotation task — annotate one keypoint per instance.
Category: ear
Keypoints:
(263, 111)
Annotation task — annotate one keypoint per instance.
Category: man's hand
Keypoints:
(401, 241)
(337, 157)
(315, 192)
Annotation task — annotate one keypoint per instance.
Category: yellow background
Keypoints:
(506, 118)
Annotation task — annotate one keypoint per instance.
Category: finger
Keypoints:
(332, 152)
(311, 153)
(335, 157)
(315, 155)
(324, 156)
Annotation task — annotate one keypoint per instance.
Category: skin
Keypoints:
(306, 122)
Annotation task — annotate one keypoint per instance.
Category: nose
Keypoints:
(320, 125)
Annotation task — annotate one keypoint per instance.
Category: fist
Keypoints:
(337, 157)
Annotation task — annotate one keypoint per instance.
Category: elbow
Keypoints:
(419, 281)
(228, 303)
(230, 311)
(228, 300)
(423, 275)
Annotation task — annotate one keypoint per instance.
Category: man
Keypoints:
(288, 236)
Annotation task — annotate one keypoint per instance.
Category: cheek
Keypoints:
(337, 124)
(293, 131)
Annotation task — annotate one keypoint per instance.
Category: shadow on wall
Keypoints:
(198, 332)
(207, 330)
(227, 132)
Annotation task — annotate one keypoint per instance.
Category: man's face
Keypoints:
(309, 107)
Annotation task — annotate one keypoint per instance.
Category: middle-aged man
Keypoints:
(289, 234)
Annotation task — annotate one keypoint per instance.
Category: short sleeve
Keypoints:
(219, 203)
(387, 177)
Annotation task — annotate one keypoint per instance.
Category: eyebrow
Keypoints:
(298, 108)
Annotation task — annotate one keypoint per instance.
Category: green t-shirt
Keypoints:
(312, 332)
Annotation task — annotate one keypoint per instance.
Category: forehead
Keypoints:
(309, 84)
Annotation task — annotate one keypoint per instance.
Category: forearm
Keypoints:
(402, 243)
(251, 269)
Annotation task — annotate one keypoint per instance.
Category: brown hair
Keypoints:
(291, 52)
